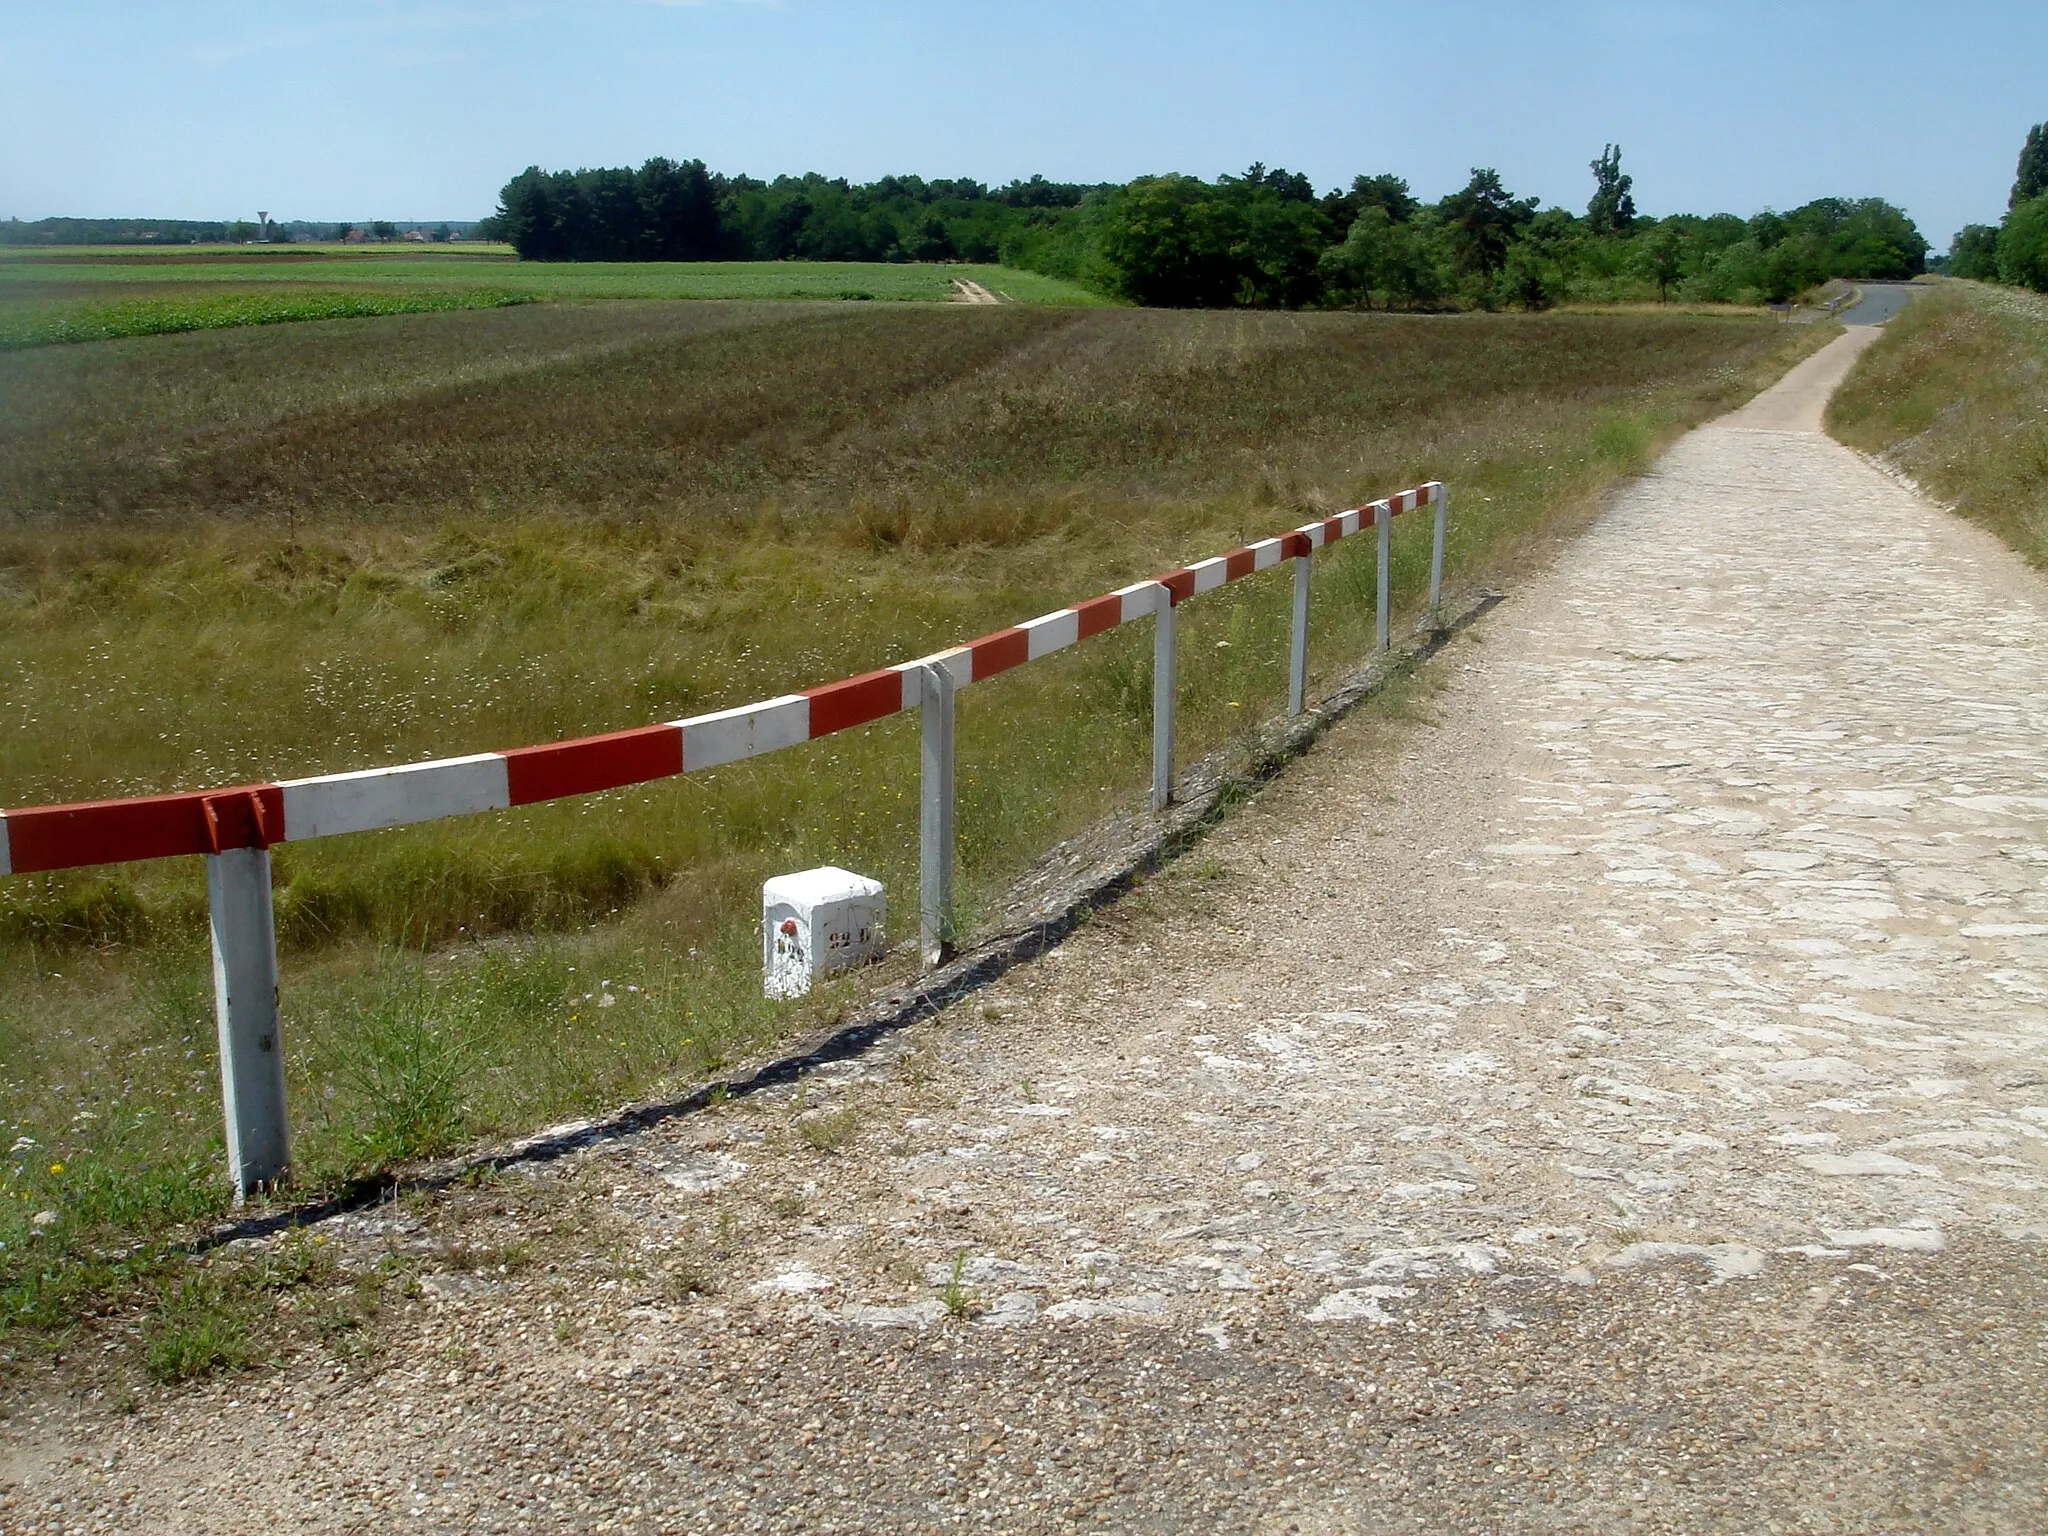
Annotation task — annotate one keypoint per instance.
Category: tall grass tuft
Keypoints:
(406, 1059)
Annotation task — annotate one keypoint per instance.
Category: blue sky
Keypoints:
(365, 109)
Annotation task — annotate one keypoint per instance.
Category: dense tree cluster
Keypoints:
(2015, 250)
(1264, 239)
(669, 211)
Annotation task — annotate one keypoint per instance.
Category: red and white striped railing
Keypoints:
(235, 827)
(50, 837)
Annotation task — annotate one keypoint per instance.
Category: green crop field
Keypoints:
(98, 293)
(278, 550)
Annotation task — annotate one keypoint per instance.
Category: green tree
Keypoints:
(931, 241)
(1612, 210)
(1178, 241)
(2023, 245)
(1526, 278)
(383, 229)
(1388, 192)
(528, 216)
(1482, 220)
(2031, 178)
(1381, 264)
(1974, 252)
(679, 211)
(1660, 256)
(1166, 245)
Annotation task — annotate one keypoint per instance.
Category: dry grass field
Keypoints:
(1956, 395)
(281, 550)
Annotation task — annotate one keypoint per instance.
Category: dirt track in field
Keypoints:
(1609, 1094)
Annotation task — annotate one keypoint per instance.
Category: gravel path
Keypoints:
(1608, 1093)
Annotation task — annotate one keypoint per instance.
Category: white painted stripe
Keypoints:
(1209, 574)
(1141, 600)
(1314, 531)
(957, 662)
(913, 686)
(394, 797)
(750, 730)
(1434, 490)
(1265, 553)
(1349, 523)
(6, 863)
(1053, 632)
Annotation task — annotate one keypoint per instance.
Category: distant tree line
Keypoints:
(680, 211)
(213, 232)
(2015, 250)
(1264, 239)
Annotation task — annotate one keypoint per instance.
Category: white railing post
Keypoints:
(935, 815)
(1297, 651)
(245, 1006)
(1436, 552)
(1162, 700)
(1383, 515)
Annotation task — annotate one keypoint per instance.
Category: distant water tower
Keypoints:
(264, 219)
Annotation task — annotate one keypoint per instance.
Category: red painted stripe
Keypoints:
(243, 818)
(151, 827)
(1333, 528)
(871, 696)
(1180, 585)
(1239, 562)
(1100, 613)
(999, 652)
(593, 763)
(1294, 545)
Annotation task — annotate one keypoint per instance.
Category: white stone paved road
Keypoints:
(1621, 1106)
(1715, 914)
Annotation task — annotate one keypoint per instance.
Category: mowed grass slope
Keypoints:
(1956, 394)
(252, 554)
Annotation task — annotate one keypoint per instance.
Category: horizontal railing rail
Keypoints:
(235, 827)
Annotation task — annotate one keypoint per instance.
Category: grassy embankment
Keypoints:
(1956, 395)
(96, 294)
(334, 546)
